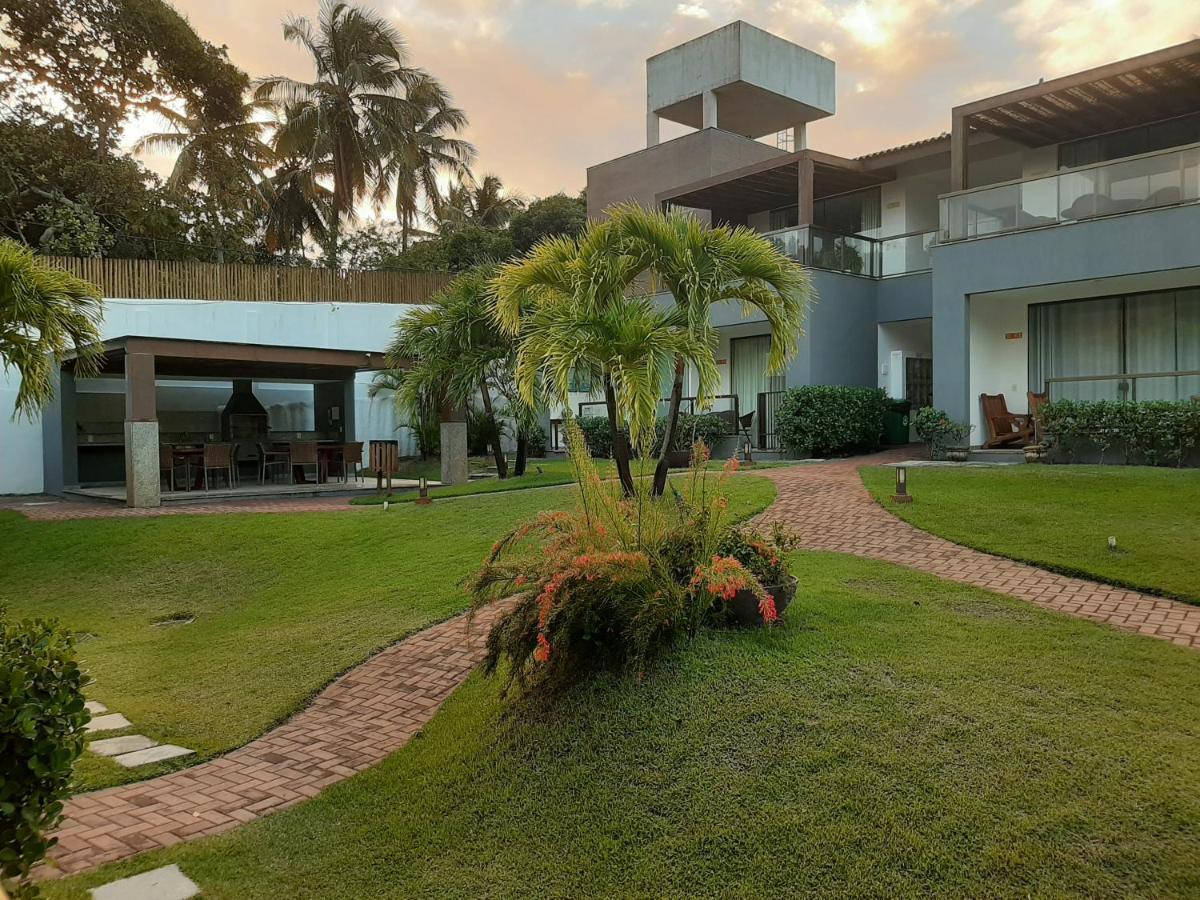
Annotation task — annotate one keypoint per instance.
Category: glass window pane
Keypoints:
(1150, 344)
(1080, 338)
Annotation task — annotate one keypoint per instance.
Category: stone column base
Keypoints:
(454, 452)
(142, 477)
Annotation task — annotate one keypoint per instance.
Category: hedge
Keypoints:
(1153, 432)
(830, 420)
(706, 427)
(42, 720)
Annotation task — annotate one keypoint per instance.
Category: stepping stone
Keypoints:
(95, 708)
(167, 883)
(111, 722)
(152, 754)
(118, 745)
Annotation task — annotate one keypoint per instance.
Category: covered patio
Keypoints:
(177, 420)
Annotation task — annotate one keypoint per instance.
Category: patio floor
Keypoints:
(244, 491)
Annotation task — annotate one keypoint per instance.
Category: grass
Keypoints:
(899, 736)
(281, 603)
(1061, 517)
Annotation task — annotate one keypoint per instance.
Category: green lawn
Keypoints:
(282, 603)
(899, 736)
(1061, 517)
(540, 473)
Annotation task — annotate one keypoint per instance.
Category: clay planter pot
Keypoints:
(743, 608)
(957, 454)
(1034, 453)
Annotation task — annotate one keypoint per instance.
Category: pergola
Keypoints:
(1136, 91)
(141, 360)
(797, 178)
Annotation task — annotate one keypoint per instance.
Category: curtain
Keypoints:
(1076, 339)
(748, 371)
(1187, 341)
(1150, 344)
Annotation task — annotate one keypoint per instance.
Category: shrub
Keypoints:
(938, 430)
(706, 427)
(42, 719)
(597, 435)
(830, 420)
(536, 438)
(1149, 431)
(480, 427)
(609, 585)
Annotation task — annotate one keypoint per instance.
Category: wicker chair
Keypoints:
(272, 459)
(218, 457)
(168, 464)
(304, 454)
(352, 454)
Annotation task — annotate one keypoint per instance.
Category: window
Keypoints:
(856, 213)
(1129, 335)
(1177, 132)
(581, 382)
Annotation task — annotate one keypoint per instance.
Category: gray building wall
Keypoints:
(1145, 242)
(905, 297)
(639, 177)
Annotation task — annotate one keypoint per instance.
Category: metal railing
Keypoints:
(1148, 181)
(855, 254)
(764, 422)
(723, 405)
(1160, 386)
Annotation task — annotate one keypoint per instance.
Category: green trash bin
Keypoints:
(895, 421)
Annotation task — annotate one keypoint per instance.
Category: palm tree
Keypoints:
(455, 352)
(485, 204)
(425, 151)
(701, 266)
(227, 158)
(424, 422)
(45, 313)
(361, 111)
(573, 305)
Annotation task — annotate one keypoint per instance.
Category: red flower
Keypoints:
(542, 653)
(766, 607)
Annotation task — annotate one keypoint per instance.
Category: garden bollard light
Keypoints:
(423, 498)
(901, 495)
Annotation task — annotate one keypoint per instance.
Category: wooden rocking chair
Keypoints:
(1036, 402)
(1005, 429)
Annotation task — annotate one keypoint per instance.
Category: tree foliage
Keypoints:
(555, 216)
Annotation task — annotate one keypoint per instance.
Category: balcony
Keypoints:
(1149, 181)
(819, 248)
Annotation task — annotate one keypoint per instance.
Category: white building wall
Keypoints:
(342, 326)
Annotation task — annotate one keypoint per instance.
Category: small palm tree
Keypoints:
(485, 204)
(455, 352)
(701, 266)
(424, 423)
(45, 313)
(573, 304)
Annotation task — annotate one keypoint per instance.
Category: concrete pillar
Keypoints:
(60, 441)
(958, 154)
(709, 110)
(652, 130)
(800, 136)
(454, 446)
(804, 191)
(141, 432)
(349, 404)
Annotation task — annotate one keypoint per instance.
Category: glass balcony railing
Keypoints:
(1150, 181)
(855, 254)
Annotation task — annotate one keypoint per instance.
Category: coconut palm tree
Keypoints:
(574, 305)
(360, 112)
(701, 266)
(456, 353)
(426, 150)
(485, 204)
(45, 313)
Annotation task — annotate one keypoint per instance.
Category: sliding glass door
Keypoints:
(1090, 349)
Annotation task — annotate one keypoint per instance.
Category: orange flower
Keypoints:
(766, 607)
(732, 464)
(542, 653)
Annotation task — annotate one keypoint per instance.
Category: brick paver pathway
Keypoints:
(827, 507)
(354, 723)
(57, 509)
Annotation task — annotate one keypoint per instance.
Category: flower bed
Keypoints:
(611, 584)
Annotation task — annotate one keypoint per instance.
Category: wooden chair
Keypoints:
(218, 457)
(304, 454)
(1036, 402)
(351, 460)
(272, 459)
(1005, 429)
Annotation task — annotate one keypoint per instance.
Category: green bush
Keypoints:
(938, 430)
(537, 441)
(1154, 432)
(830, 420)
(706, 427)
(598, 436)
(42, 719)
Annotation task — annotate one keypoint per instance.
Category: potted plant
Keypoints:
(764, 558)
(1034, 453)
(947, 439)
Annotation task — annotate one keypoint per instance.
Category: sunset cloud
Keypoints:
(553, 86)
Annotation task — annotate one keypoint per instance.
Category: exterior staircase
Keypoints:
(1002, 457)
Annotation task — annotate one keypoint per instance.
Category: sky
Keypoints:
(553, 86)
